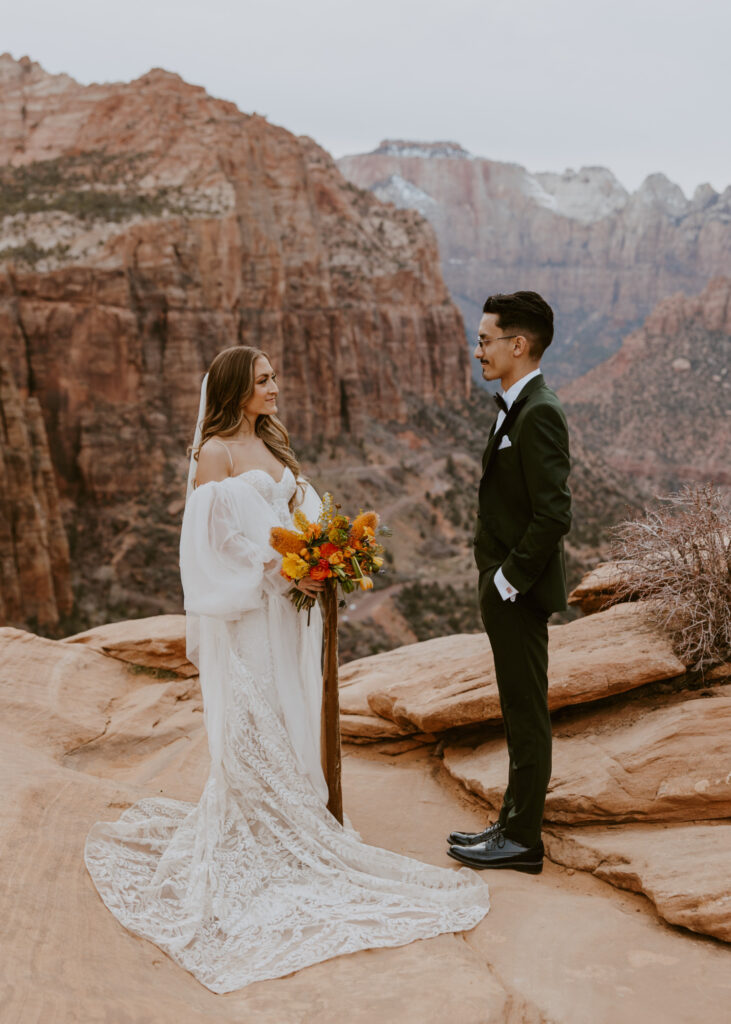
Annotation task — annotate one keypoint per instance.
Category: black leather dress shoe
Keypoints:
(470, 838)
(500, 852)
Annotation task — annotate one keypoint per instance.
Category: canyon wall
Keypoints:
(179, 226)
(35, 577)
(601, 256)
(659, 410)
(144, 226)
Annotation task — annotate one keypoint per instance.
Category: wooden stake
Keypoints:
(331, 701)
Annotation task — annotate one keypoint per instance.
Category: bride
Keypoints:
(258, 879)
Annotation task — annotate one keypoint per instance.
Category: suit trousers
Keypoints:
(518, 634)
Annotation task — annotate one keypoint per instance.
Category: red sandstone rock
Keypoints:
(650, 418)
(81, 738)
(597, 588)
(668, 765)
(34, 553)
(149, 225)
(66, 686)
(234, 230)
(156, 642)
(654, 859)
(368, 728)
(450, 681)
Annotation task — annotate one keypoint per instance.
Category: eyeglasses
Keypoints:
(504, 337)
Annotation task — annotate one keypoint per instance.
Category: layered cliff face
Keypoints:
(659, 410)
(35, 578)
(601, 256)
(144, 227)
(179, 226)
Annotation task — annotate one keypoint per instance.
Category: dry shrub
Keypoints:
(678, 557)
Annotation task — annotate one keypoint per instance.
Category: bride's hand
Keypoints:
(309, 586)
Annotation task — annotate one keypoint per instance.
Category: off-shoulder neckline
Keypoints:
(237, 476)
(266, 473)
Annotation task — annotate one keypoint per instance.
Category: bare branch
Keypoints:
(678, 557)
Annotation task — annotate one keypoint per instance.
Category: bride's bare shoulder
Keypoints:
(214, 462)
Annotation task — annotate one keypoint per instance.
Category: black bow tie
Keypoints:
(501, 403)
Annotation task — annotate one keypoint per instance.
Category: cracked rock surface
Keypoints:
(669, 765)
(450, 682)
(683, 868)
(83, 735)
(156, 642)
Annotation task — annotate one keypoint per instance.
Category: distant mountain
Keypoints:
(659, 410)
(602, 256)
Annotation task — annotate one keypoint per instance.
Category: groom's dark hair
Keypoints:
(526, 312)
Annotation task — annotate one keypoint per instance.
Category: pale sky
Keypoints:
(634, 85)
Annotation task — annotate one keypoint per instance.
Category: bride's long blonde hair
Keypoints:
(231, 383)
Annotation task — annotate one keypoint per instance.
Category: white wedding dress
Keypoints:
(258, 879)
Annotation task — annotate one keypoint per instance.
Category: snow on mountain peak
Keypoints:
(425, 150)
(403, 193)
(660, 190)
(586, 195)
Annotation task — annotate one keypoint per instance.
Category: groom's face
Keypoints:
(493, 349)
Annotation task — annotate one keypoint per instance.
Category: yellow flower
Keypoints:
(378, 561)
(300, 520)
(285, 541)
(294, 566)
(366, 583)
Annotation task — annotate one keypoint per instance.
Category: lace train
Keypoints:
(257, 879)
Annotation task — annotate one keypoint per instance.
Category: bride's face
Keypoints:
(264, 400)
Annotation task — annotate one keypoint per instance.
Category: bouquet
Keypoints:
(333, 548)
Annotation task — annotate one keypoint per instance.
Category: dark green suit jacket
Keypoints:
(524, 501)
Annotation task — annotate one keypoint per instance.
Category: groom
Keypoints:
(524, 512)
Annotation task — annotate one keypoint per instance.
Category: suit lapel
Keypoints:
(488, 446)
(487, 454)
(496, 436)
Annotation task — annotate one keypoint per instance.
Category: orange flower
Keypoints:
(328, 549)
(366, 522)
(286, 542)
(321, 571)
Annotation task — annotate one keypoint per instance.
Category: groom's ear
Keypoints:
(521, 345)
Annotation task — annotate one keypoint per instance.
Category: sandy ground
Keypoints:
(559, 947)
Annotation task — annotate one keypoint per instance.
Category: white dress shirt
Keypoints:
(506, 589)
